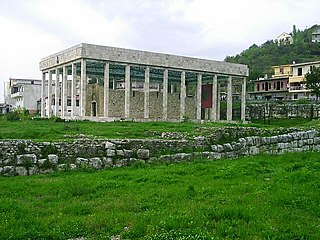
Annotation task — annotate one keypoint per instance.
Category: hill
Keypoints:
(261, 58)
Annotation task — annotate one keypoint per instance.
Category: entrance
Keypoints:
(94, 109)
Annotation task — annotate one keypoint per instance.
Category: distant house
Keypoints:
(316, 36)
(297, 87)
(23, 93)
(5, 108)
(286, 83)
(275, 87)
(284, 39)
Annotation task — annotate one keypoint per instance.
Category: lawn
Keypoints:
(263, 197)
(51, 130)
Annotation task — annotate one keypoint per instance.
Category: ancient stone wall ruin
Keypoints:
(25, 157)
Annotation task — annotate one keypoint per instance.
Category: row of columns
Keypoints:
(214, 116)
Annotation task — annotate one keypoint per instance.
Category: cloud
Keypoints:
(34, 29)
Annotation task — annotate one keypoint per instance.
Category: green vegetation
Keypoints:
(261, 58)
(54, 129)
(264, 197)
(312, 80)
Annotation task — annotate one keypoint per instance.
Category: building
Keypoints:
(287, 83)
(23, 93)
(5, 108)
(284, 39)
(297, 87)
(110, 83)
(276, 87)
(316, 36)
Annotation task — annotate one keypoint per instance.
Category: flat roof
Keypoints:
(138, 57)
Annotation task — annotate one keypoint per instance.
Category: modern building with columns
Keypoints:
(106, 83)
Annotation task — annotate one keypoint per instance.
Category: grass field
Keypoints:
(263, 197)
(50, 130)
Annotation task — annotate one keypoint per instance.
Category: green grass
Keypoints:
(264, 197)
(49, 130)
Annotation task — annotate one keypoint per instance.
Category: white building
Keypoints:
(284, 38)
(23, 93)
(297, 86)
(316, 35)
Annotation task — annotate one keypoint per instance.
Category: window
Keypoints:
(32, 82)
(281, 84)
(281, 70)
(258, 87)
(299, 71)
(262, 86)
(295, 96)
(68, 102)
(270, 86)
(77, 103)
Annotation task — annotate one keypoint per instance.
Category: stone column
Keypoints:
(199, 88)
(146, 91)
(243, 99)
(83, 83)
(56, 95)
(43, 95)
(183, 95)
(64, 92)
(49, 108)
(106, 90)
(214, 109)
(127, 92)
(165, 95)
(218, 100)
(73, 89)
(229, 99)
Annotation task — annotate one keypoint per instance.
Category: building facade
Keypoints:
(297, 86)
(284, 39)
(316, 36)
(287, 83)
(23, 93)
(106, 83)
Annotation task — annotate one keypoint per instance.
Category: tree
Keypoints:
(312, 81)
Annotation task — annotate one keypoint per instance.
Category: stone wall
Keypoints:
(95, 93)
(25, 157)
(281, 110)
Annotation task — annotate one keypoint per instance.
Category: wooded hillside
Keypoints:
(261, 58)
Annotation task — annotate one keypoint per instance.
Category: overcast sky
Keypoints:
(33, 29)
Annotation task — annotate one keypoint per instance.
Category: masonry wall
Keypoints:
(95, 93)
(25, 157)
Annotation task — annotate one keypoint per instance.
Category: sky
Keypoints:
(210, 29)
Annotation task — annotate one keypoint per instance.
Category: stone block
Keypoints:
(214, 148)
(73, 167)
(143, 153)
(33, 170)
(120, 153)
(53, 159)
(80, 161)
(220, 148)
(8, 171)
(107, 162)
(95, 163)
(26, 159)
(227, 147)
(111, 153)
(127, 153)
(254, 150)
(110, 145)
(21, 171)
